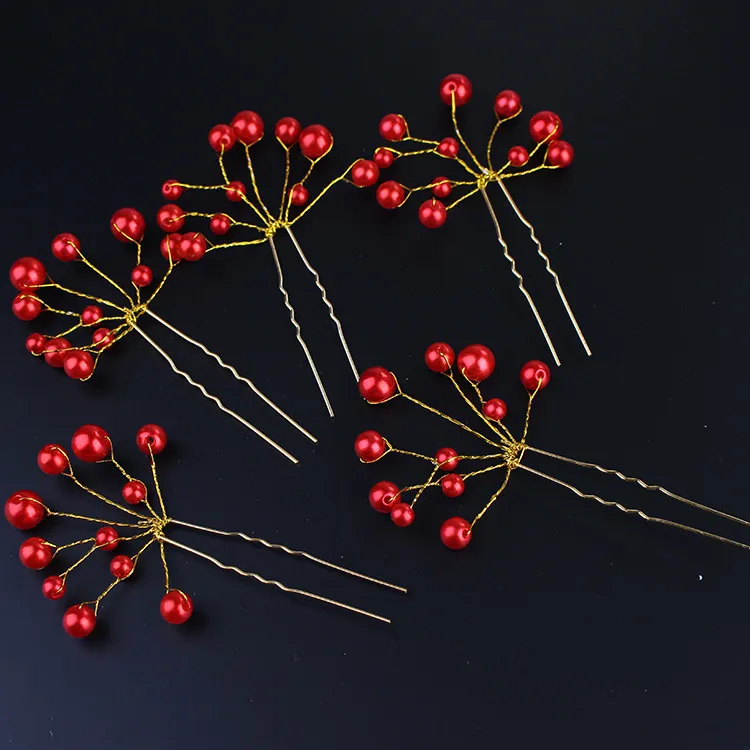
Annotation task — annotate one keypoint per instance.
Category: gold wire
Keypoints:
(99, 496)
(255, 183)
(505, 436)
(458, 133)
(493, 498)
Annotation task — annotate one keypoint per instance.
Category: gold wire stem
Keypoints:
(112, 282)
(517, 274)
(114, 583)
(54, 285)
(326, 301)
(234, 372)
(127, 476)
(152, 463)
(77, 517)
(255, 183)
(423, 487)
(213, 398)
(287, 169)
(506, 436)
(493, 498)
(293, 552)
(458, 132)
(163, 556)
(298, 329)
(99, 496)
(547, 262)
(260, 579)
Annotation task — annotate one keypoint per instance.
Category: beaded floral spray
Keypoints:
(545, 129)
(505, 451)
(113, 319)
(146, 525)
(315, 142)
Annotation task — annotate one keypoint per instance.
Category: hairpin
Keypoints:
(545, 128)
(505, 452)
(113, 320)
(147, 525)
(245, 131)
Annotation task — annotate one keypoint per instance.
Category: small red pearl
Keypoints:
(545, 124)
(176, 607)
(447, 459)
(507, 104)
(518, 156)
(287, 130)
(299, 195)
(52, 459)
(236, 191)
(170, 247)
(402, 515)
(26, 306)
(369, 446)
(439, 357)
(393, 127)
(365, 173)
(78, 365)
(134, 492)
(535, 373)
(221, 138)
(24, 510)
(383, 496)
(383, 157)
(476, 362)
(102, 338)
(448, 148)
(432, 213)
(91, 314)
(153, 437)
(65, 247)
(35, 553)
(171, 190)
(128, 225)
(315, 141)
(248, 127)
(455, 533)
(53, 588)
(192, 246)
(121, 566)
(495, 409)
(79, 621)
(27, 273)
(54, 351)
(170, 218)
(559, 154)
(220, 224)
(455, 86)
(442, 187)
(376, 384)
(91, 443)
(107, 538)
(35, 343)
(141, 276)
(453, 485)
(390, 194)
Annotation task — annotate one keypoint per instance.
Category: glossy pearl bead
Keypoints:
(402, 515)
(455, 533)
(171, 190)
(287, 130)
(79, 621)
(442, 187)
(476, 362)
(452, 485)
(545, 124)
(35, 343)
(383, 157)
(393, 127)
(102, 338)
(495, 409)
(369, 446)
(559, 154)
(55, 350)
(535, 373)
(376, 384)
(192, 246)
(518, 156)
(170, 218)
(52, 459)
(107, 538)
(91, 314)
(78, 365)
(448, 148)
(24, 510)
(299, 195)
(65, 247)
(170, 247)
(447, 459)
(236, 191)
(121, 566)
(176, 607)
(390, 194)
(507, 104)
(383, 496)
(248, 127)
(455, 86)
(221, 138)
(91, 443)
(27, 274)
(439, 357)
(365, 173)
(315, 141)
(141, 276)
(53, 588)
(35, 553)
(220, 224)
(432, 213)
(134, 492)
(26, 306)
(151, 439)
(128, 225)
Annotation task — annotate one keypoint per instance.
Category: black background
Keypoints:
(564, 624)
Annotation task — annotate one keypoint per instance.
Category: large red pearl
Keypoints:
(78, 365)
(455, 86)
(315, 141)
(390, 194)
(35, 343)
(236, 191)
(220, 224)
(545, 124)
(91, 314)
(365, 173)
(170, 247)
(299, 195)
(171, 190)
(559, 154)
(151, 438)
(248, 127)
(52, 459)
(495, 409)
(107, 538)
(134, 492)
(91, 443)
(439, 357)
(121, 566)
(35, 553)
(141, 276)
(383, 496)
(518, 156)
(65, 247)
(128, 225)
(26, 306)
(507, 104)
(170, 218)
(55, 350)
(27, 273)
(447, 459)
(369, 446)
(442, 187)
(376, 384)
(393, 127)
(176, 607)
(452, 485)
(402, 515)
(79, 621)
(455, 533)
(476, 362)
(102, 338)
(221, 138)
(287, 130)
(24, 510)
(383, 157)
(53, 588)
(535, 374)
(192, 246)
(432, 213)
(448, 148)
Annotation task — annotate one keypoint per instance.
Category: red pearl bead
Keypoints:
(102, 338)
(390, 194)
(52, 459)
(299, 195)
(79, 621)
(559, 154)
(220, 224)
(55, 350)
(535, 373)
(107, 538)
(176, 607)
(448, 148)
(287, 130)
(53, 588)
(134, 492)
(315, 141)
(78, 365)
(170, 218)
(236, 191)
(518, 156)
(27, 273)
(402, 515)
(369, 446)
(192, 246)
(447, 459)
(495, 409)
(455, 86)
(376, 384)
(170, 247)
(383, 496)
(442, 187)
(65, 247)
(35, 343)
(393, 127)
(439, 357)
(141, 276)
(455, 533)
(221, 138)
(365, 173)
(151, 439)
(432, 213)
(248, 127)
(91, 443)
(476, 362)
(507, 104)
(26, 306)
(128, 225)
(91, 314)
(35, 553)
(452, 485)
(545, 124)
(383, 157)
(171, 190)
(24, 510)
(121, 566)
